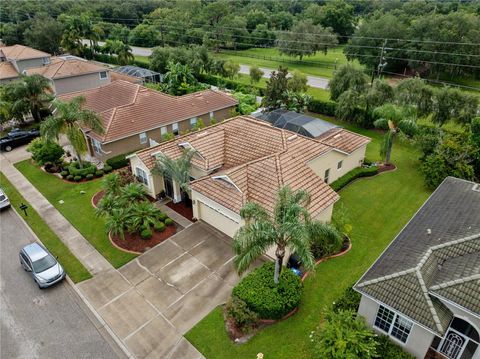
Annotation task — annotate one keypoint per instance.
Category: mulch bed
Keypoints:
(96, 198)
(134, 243)
(181, 209)
(386, 167)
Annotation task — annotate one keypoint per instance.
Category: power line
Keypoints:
(434, 81)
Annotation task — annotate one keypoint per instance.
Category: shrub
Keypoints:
(343, 335)
(237, 310)
(352, 175)
(389, 350)
(64, 174)
(44, 151)
(159, 226)
(146, 233)
(75, 170)
(162, 216)
(107, 169)
(89, 176)
(168, 221)
(118, 161)
(77, 178)
(70, 177)
(324, 107)
(350, 300)
(98, 173)
(264, 297)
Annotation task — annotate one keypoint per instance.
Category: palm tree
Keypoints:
(394, 119)
(124, 54)
(142, 215)
(178, 76)
(176, 169)
(133, 192)
(116, 222)
(70, 119)
(111, 184)
(289, 227)
(107, 205)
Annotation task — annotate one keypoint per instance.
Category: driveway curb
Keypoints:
(82, 297)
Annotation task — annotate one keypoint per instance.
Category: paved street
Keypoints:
(312, 81)
(50, 323)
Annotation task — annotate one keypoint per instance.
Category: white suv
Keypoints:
(4, 202)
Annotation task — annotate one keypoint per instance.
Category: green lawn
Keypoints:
(75, 270)
(317, 65)
(77, 208)
(379, 207)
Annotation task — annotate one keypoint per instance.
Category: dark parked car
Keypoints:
(16, 138)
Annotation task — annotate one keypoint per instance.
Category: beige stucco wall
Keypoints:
(330, 160)
(78, 83)
(26, 64)
(155, 182)
(419, 339)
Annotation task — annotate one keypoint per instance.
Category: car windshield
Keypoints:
(44, 263)
(2, 197)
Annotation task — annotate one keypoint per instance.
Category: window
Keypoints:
(97, 146)
(327, 175)
(211, 115)
(103, 75)
(143, 137)
(339, 165)
(193, 121)
(175, 129)
(393, 324)
(163, 130)
(141, 176)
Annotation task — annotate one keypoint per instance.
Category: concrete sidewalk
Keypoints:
(79, 246)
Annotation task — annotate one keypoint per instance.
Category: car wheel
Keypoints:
(8, 148)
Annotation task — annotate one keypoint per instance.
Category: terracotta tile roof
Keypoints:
(7, 71)
(253, 159)
(132, 109)
(116, 76)
(20, 52)
(60, 68)
(344, 140)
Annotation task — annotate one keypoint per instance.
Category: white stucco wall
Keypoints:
(419, 339)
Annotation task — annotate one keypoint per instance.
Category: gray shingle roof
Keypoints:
(436, 254)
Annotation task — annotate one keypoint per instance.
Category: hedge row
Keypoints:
(323, 107)
(108, 59)
(118, 161)
(352, 175)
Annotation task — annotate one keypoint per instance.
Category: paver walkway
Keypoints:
(181, 220)
(79, 246)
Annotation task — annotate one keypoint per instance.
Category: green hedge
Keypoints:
(264, 297)
(323, 107)
(108, 59)
(389, 350)
(87, 169)
(352, 175)
(350, 300)
(118, 161)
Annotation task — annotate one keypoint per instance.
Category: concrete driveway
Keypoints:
(156, 298)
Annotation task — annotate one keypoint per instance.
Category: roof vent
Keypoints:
(337, 136)
(291, 138)
(476, 187)
(202, 134)
(429, 231)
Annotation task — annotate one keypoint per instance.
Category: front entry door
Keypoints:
(453, 344)
(168, 186)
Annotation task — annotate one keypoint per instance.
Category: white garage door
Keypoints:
(217, 219)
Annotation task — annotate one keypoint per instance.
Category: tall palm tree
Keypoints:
(176, 169)
(70, 119)
(289, 227)
(124, 54)
(394, 119)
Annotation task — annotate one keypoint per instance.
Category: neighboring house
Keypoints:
(135, 117)
(244, 159)
(71, 73)
(17, 58)
(424, 290)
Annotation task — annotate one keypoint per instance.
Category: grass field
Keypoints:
(378, 208)
(77, 208)
(320, 64)
(75, 270)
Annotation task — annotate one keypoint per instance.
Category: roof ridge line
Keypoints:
(435, 317)
(114, 111)
(387, 277)
(455, 281)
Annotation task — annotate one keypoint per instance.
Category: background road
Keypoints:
(312, 81)
(50, 323)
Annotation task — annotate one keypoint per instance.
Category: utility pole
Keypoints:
(381, 62)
